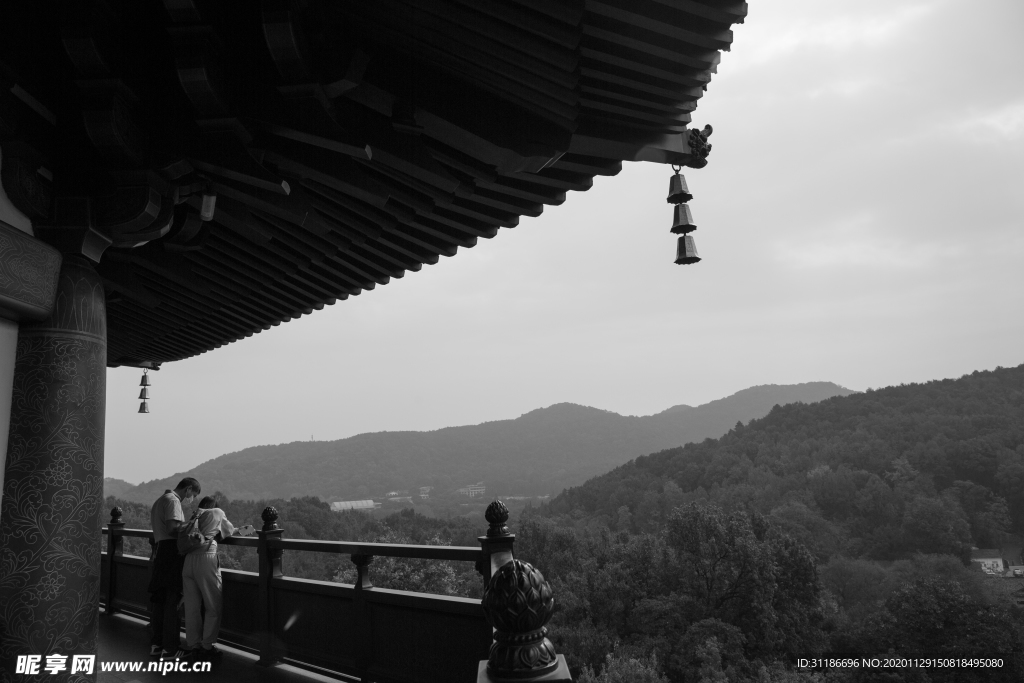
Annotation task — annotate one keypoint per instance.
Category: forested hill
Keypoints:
(933, 468)
(116, 487)
(538, 453)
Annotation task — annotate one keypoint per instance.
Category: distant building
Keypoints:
(392, 494)
(400, 499)
(989, 560)
(425, 491)
(354, 505)
(473, 490)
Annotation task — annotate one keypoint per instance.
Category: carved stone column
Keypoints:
(53, 489)
(28, 275)
(29, 270)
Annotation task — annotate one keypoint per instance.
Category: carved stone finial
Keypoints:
(699, 147)
(270, 519)
(496, 515)
(115, 515)
(518, 603)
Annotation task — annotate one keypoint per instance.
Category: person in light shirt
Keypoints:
(202, 581)
(166, 518)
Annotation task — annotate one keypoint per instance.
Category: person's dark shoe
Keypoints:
(155, 650)
(183, 653)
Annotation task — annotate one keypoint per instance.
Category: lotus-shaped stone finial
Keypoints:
(496, 515)
(269, 519)
(518, 603)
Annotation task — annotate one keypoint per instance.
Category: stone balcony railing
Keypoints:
(374, 634)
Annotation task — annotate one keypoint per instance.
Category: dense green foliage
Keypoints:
(709, 575)
(933, 468)
(840, 526)
(539, 453)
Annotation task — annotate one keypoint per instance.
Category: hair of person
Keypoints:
(190, 483)
(208, 503)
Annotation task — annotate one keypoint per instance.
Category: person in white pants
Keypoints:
(202, 582)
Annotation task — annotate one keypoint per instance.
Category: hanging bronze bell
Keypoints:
(145, 380)
(687, 251)
(678, 193)
(144, 394)
(683, 221)
(144, 407)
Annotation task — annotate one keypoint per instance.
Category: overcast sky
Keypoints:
(859, 222)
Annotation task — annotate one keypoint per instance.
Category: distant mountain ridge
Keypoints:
(540, 452)
(116, 487)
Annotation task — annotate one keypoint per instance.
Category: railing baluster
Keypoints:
(498, 544)
(362, 563)
(115, 547)
(271, 567)
(361, 613)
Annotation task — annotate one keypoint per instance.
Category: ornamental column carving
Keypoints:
(53, 488)
(28, 274)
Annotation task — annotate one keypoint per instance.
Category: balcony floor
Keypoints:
(126, 639)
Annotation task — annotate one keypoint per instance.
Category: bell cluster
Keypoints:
(144, 394)
(682, 223)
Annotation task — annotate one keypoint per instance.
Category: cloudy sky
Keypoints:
(859, 220)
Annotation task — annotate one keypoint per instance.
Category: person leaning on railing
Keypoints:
(165, 586)
(202, 582)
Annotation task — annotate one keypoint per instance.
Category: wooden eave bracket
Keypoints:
(671, 148)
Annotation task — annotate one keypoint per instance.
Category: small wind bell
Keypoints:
(144, 394)
(682, 222)
(686, 251)
(678, 193)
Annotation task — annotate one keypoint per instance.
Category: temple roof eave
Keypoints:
(249, 166)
